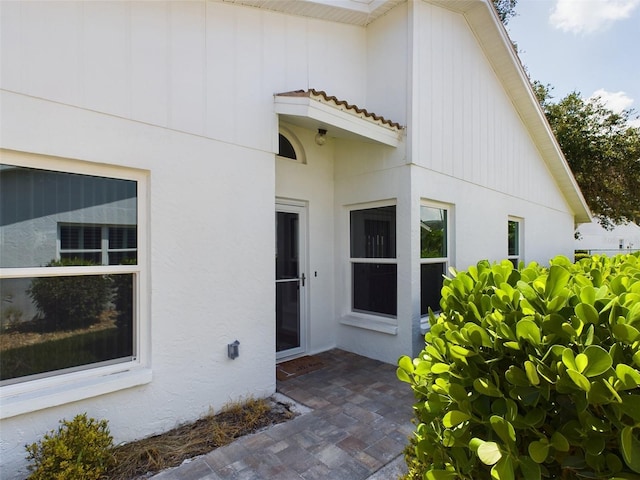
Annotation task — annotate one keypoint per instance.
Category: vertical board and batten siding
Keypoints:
(471, 149)
(388, 53)
(479, 137)
(205, 68)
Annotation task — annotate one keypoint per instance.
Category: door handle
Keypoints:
(302, 279)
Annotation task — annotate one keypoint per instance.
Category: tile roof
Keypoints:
(322, 97)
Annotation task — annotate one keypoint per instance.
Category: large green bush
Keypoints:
(531, 373)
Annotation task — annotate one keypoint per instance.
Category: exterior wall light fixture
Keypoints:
(321, 136)
(233, 350)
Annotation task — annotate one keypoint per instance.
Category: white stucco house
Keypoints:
(158, 142)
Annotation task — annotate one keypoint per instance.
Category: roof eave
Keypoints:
(352, 12)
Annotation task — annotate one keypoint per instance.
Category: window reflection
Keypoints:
(64, 322)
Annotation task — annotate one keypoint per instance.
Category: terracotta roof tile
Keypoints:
(322, 96)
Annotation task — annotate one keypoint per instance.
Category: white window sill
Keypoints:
(17, 400)
(425, 326)
(370, 322)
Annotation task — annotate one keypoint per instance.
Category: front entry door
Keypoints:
(290, 280)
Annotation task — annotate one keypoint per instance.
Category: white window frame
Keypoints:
(519, 256)
(53, 390)
(446, 260)
(448, 243)
(368, 320)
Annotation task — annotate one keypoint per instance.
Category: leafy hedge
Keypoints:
(531, 373)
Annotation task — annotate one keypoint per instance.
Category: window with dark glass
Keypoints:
(105, 245)
(373, 260)
(285, 148)
(434, 257)
(53, 221)
(514, 242)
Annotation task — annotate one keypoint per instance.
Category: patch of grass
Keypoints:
(171, 448)
(80, 348)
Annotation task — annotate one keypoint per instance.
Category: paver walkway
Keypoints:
(357, 428)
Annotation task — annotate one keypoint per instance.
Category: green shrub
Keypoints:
(71, 301)
(81, 449)
(531, 373)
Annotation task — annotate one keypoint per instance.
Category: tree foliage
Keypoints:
(603, 152)
(73, 301)
(505, 9)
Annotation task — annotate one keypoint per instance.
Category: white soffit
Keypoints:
(315, 110)
(354, 12)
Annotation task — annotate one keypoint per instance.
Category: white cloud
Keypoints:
(588, 16)
(614, 101)
(617, 102)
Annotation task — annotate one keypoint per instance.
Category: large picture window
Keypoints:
(373, 260)
(69, 272)
(434, 255)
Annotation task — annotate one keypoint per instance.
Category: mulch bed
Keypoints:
(142, 458)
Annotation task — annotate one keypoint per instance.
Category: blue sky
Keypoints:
(591, 46)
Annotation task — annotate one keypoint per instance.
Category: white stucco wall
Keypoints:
(313, 183)
(370, 176)
(201, 277)
(184, 92)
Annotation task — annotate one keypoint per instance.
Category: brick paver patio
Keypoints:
(357, 428)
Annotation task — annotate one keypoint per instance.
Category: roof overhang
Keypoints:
(353, 12)
(315, 110)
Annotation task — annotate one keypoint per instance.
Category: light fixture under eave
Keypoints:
(321, 136)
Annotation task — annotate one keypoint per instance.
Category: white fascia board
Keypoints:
(312, 114)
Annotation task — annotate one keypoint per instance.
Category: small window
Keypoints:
(102, 245)
(514, 241)
(289, 146)
(285, 148)
(373, 260)
(434, 255)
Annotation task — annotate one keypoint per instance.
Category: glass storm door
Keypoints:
(290, 280)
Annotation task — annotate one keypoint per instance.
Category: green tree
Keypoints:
(505, 9)
(71, 301)
(603, 152)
